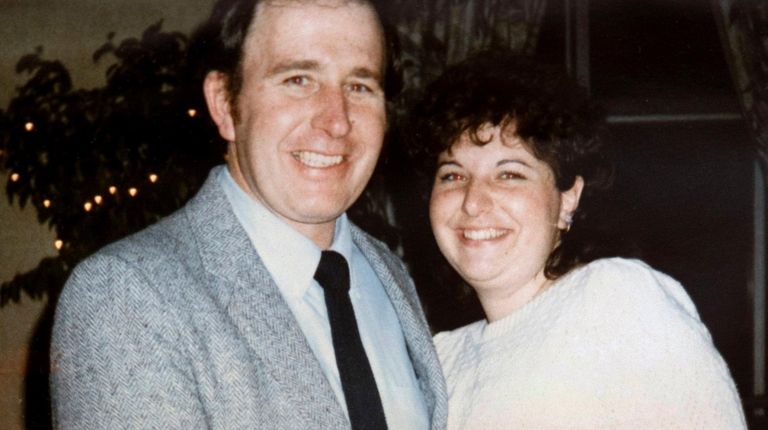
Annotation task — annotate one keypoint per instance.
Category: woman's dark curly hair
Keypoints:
(547, 110)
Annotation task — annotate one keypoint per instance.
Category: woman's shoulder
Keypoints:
(628, 304)
(642, 313)
(621, 283)
(618, 267)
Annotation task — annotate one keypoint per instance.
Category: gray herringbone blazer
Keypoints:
(181, 327)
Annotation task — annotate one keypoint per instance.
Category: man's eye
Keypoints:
(297, 80)
(360, 88)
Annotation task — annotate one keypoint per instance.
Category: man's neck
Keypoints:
(321, 234)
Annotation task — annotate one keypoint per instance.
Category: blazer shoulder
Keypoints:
(159, 252)
(371, 245)
(178, 236)
(168, 240)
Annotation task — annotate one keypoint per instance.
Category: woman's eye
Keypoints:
(511, 175)
(450, 177)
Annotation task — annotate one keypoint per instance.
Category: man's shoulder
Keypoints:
(140, 265)
(360, 236)
(168, 249)
(155, 244)
(375, 249)
(165, 260)
(171, 238)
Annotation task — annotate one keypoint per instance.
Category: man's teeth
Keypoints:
(483, 234)
(313, 159)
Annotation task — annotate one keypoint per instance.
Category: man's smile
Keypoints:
(317, 160)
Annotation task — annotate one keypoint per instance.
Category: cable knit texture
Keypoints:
(611, 345)
(181, 327)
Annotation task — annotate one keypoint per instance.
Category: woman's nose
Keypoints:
(477, 199)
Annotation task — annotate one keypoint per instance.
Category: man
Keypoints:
(212, 318)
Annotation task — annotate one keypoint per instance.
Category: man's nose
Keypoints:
(332, 115)
(477, 199)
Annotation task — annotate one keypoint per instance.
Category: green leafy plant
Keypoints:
(100, 164)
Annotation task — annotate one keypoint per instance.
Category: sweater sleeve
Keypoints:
(658, 353)
(117, 358)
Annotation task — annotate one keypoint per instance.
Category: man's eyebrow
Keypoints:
(280, 68)
(366, 73)
(311, 65)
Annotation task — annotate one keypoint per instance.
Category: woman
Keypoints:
(569, 340)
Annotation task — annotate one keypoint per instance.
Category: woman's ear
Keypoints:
(569, 202)
(219, 104)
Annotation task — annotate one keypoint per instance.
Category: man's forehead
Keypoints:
(270, 9)
(330, 4)
(323, 3)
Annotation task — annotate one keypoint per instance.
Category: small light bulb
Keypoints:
(58, 244)
(14, 177)
(132, 192)
(29, 126)
(46, 203)
(88, 206)
(192, 113)
(113, 190)
(152, 178)
(97, 199)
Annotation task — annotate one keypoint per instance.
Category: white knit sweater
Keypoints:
(611, 345)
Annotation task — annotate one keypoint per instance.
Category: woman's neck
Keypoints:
(499, 303)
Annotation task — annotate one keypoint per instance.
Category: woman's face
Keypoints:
(496, 213)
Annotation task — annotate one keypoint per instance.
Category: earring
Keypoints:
(568, 220)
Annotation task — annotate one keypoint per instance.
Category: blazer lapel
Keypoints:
(258, 310)
(417, 336)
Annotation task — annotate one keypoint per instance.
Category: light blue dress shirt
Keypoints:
(292, 259)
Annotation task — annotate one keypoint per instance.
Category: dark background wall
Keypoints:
(684, 185)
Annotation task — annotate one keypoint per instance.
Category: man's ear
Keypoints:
(569, 202)
(219, 104)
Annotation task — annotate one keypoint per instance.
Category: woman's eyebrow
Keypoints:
(512, 161)
(448, 163)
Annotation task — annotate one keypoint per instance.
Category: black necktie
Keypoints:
(360, 392)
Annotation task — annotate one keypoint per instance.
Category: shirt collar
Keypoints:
(290, 257)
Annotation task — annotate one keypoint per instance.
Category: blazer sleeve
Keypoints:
(117, 354)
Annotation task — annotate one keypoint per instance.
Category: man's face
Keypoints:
(310, 117)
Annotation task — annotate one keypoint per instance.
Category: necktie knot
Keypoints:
(333, 272)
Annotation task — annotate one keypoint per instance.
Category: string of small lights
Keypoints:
(92, 204)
